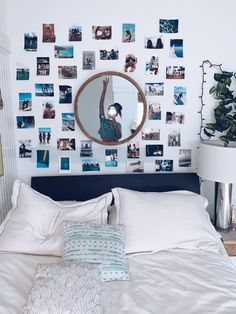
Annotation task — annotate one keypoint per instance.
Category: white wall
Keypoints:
(207, 28)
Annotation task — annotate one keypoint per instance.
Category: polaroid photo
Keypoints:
(174, 117)
(102, 32)
(66, 144)
(43, 66)
(48, 110)
(75, 33)
(86, 148)
(45, 90)
(31, 42)
(179, 95)
(176, 48)
(169, 26)
(63, 52)
(68, 121)
(133, 150)
(22, 74)
(25, 101)
(154, 42)
(164, 165)
(25, 149)
(130, 63)
(175, 72)
(25, 122)
(185, 159)
(154, 110)
(49, 33)
(154, 89)
(152, 66)
(150, 134)
(154, 150)
(174, 138)
(64, 165)
(128, 32)
(88, 60)
(67, 72)
(111, 158)
(135, 166)
(43, 158)
(90, 165)
(112, 54)
(44, 135)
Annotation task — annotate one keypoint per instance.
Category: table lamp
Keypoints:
(217, 162)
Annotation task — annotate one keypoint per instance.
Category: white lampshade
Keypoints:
(217, 162)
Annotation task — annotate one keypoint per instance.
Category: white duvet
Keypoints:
(168, 282)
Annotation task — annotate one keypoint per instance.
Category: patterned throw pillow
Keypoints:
(97, 244)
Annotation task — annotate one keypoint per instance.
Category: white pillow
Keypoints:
(160, 221)
(35, 223)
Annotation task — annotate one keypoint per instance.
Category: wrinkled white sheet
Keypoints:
(168, 282)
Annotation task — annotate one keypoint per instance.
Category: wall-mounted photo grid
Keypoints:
(48, 111)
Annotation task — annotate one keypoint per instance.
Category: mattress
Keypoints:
(167, 282)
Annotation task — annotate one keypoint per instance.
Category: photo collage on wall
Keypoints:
(158, 138)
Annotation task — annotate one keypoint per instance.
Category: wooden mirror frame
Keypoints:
(87, 82)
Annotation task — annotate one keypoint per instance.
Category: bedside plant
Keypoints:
(225, 112)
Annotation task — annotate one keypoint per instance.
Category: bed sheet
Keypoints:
(168, 282)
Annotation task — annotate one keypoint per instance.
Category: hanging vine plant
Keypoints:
(225, 112)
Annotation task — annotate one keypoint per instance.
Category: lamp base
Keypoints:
(223, 206)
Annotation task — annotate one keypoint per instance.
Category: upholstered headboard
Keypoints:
(83, 187)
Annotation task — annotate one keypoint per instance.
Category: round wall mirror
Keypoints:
(110, 108)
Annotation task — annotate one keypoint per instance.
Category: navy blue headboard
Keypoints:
(84, 187)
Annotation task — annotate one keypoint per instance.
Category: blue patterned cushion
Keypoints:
(97, 244)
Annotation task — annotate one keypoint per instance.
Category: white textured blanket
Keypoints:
(65, 288)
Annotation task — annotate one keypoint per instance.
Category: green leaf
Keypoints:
(207, 133)
(212, 90)
(225, 139)
(210, 126)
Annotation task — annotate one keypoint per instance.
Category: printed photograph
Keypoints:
(154, 42)
(88, 60)
(154, 89)
(25, 101)
(44, 135)
(65, 52)
(90, 165)
(44, 90)
(25, 149)
(185, 159)
(66, 144)
(152, 66)
(133, 150)
(67, 72)
(102, 32)
(175, 72)
(43, 66)
(150, 134)
(136, 166)
(169, 26)
(31, 42)
(128, 32)
(25, 122)
(49, 33)
(179, 95)
(65, 94)
(154, 150)
(130, 63)
(154, 110)
(176, 48)
(22, 74)
(174, 117)
(64, 164)
(86, 148)
(43, 158)
(68, 121)
(163, 165)
(48, 110)
(75, 33)
(111, 158)
(174, 138)
(112, 54)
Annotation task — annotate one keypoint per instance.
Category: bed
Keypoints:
(175, 258)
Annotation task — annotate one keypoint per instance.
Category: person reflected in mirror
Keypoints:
(110, 129)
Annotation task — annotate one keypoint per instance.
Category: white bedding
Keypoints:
(168, 282)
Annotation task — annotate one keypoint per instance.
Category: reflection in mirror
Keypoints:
(110, 108)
